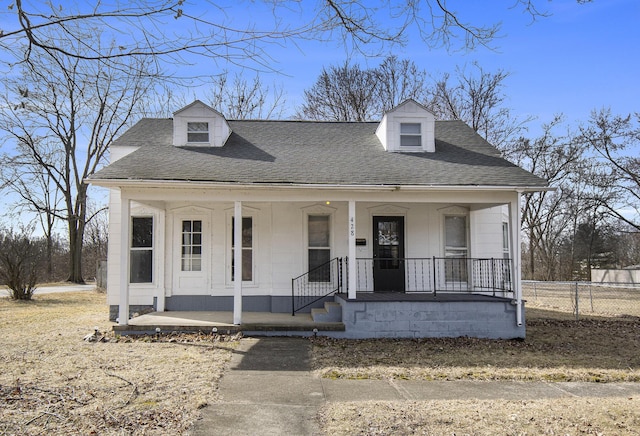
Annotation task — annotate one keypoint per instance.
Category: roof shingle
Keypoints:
(307, 152)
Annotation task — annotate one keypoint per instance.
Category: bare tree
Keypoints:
(614, 139)
(60, 115)
(397, 81)
(342, 93)
(351, 93)
(554, 157)
(240, 99)
(37, 194)
(140, 27)
(477, 97)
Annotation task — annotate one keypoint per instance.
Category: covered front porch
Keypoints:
(369, 315)
(430, 247)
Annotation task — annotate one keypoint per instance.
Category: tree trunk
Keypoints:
(77, 224)
(75, 251)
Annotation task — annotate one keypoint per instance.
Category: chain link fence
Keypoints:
(584, 298)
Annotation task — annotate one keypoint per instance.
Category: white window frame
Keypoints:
(190, 257)
(506, 252)
(450, 251)
(328, 248)
(230, 250)
(152, 249)
(198, 132)
(412, 135)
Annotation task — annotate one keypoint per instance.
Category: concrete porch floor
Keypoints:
(253, 323)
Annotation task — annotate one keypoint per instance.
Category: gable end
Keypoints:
(198, 125)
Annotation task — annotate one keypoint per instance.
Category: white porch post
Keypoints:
(123, 311)
(162, 261)
(352, 267)
(237, 262)
(516, 255)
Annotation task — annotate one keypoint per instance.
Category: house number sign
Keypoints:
(352, 226)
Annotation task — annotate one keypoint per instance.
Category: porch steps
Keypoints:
(331, 312)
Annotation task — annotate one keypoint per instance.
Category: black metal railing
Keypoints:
(436, 274)
(316, 284)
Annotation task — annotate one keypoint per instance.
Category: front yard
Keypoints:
(53, 382)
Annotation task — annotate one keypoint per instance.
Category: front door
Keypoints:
(388, 254)
(190, 256)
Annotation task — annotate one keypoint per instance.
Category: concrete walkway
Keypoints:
(270, 390)
(50, 289)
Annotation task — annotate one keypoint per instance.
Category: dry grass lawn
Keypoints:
(53, 382)
(557, 348)
(567, 416)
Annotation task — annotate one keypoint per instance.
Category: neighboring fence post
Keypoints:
(577, 298)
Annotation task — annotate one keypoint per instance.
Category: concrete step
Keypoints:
(331, 312)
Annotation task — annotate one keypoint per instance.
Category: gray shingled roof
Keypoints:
(306, 152)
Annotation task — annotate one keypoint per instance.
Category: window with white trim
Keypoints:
(141, 250)
(410, 135)
(191, 245)
(198, 132)
(505, 241)
(247, 248)
(456, 248)
(318, 248)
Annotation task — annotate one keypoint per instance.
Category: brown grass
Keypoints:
(53, 382)
(556, 349)
(567, 416)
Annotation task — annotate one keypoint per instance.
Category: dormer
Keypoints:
(409, 127)
(198, 125)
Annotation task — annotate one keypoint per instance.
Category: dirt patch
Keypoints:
(54, 382)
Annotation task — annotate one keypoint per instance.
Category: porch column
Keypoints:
(237, 263)
(352, 266)
(516, 255)
(125, 218)
(162, 262)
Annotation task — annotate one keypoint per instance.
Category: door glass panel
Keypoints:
(388, 245)
(191, 245)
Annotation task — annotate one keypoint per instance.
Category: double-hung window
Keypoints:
(247, 249)
(198, 132)
(410, 135)
(141, 250)
(319, 250)
(456, 249)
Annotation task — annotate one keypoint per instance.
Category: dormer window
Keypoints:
(410, 135)
(198, 132)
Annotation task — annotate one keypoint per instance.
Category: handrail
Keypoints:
(316, 284)
(441, 274)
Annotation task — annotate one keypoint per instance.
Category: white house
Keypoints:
(410, 224)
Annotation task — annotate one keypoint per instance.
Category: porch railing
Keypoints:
(439, 274)
(316, 284)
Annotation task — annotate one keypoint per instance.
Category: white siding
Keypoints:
(219, 130)
(279, 244)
